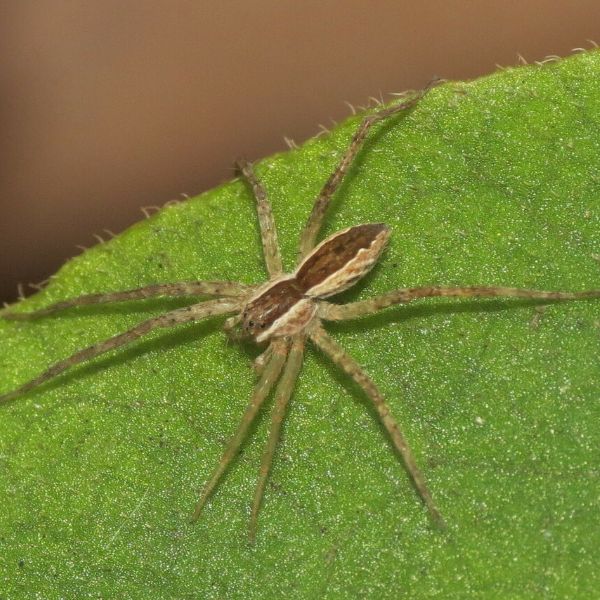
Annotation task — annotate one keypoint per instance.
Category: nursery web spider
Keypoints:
(286, 311)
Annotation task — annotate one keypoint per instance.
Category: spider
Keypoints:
(285, 312)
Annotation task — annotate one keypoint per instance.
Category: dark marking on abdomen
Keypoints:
(335, 253)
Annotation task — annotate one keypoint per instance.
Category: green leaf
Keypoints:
(495, 181)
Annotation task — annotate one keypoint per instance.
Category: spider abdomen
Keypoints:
(342, 259)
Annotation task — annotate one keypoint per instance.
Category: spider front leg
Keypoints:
(285, 387)
(268, 231)
(341, 312)
(170, 319)
(192, 288)
(343, 360)
(261, 391)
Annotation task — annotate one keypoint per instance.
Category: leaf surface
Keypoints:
(495, 181)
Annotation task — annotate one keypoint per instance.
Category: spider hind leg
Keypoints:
(321, 204)
(343, 360)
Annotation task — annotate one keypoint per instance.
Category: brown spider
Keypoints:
(285, 311)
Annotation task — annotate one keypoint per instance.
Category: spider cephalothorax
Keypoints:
(285, 312)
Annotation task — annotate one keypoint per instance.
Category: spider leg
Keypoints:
(340, 312)
(315, 220)
(192, 288)
(283, 393)
(170, 319)
(343, 360)
(261, 391)
(268, 231)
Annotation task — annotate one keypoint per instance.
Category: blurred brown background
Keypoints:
(107, 106)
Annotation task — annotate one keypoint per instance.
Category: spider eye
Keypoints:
(251, 323)
(262, 325)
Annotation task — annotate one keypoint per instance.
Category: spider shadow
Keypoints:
(167, 341)
(140, 306)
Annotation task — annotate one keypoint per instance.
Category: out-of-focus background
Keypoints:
(109, 106)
